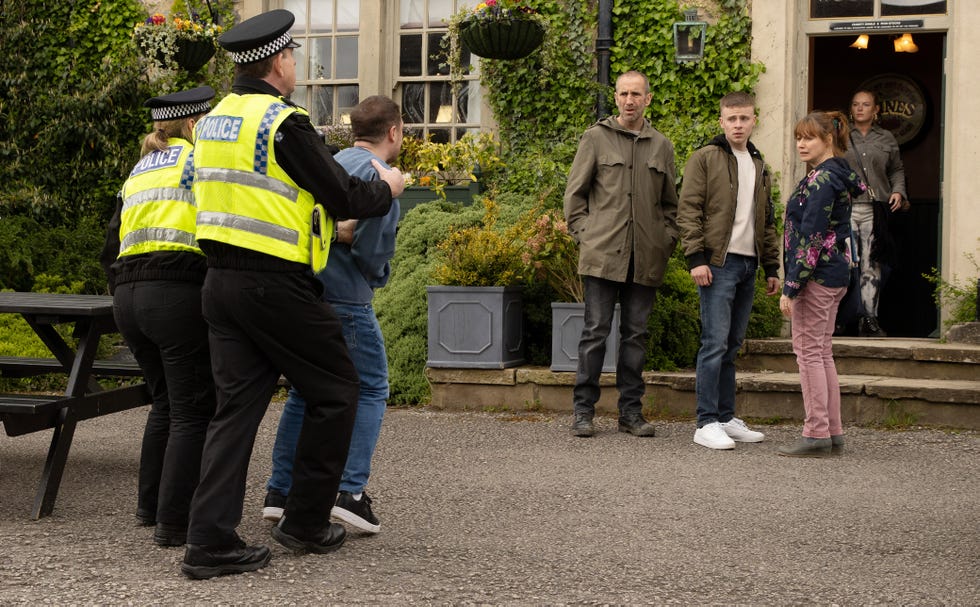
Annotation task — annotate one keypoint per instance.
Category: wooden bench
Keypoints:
(17, 366)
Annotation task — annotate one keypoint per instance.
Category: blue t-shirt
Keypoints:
(354, 270)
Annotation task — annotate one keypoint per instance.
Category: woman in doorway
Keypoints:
(817, 258)
(155, 271)
(874, 154)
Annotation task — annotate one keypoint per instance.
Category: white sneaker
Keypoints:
(713, 436)
(738, 431)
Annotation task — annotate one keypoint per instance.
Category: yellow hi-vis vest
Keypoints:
(244, 197)
(158, 212)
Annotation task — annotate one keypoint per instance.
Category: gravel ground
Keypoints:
(510, 510)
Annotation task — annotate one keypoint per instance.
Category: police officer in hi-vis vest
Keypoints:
(267, 191)
(155, 272)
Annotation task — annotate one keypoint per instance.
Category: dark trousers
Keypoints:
(162, 324)
(635, 303)
(263, 324)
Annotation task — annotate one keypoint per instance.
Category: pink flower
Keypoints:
(491, 2)
(812, 255)
(830, 240)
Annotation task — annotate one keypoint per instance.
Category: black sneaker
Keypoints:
(356, 512)
(273, 506)
(320, 541)
(582, 425)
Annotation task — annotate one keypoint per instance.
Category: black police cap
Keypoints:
(260, 37)
(181, 104)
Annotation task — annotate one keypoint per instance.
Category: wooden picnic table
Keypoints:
(84, 398)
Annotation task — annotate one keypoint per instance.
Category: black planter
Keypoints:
(502, 39)
(191, 55)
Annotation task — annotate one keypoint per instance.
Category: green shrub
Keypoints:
(958, 298)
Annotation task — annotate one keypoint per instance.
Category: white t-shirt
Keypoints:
(743, 231)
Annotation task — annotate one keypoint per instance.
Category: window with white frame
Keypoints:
(326, 63)
(427, 100)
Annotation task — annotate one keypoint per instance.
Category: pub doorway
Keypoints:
(906, 307)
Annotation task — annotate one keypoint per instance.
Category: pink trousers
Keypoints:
(814, 313)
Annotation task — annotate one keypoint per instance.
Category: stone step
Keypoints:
(761, 394)
(887, 357)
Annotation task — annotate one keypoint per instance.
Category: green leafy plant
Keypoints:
(551, 254)
(958, 298)
(437, 165)
(482, 255)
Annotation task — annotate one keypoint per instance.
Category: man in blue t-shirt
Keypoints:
(358, 264)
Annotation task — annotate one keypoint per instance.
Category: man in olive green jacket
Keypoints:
(728, 229)
(621, 207)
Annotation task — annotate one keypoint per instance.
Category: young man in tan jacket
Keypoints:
(621, 205)
(728, 230)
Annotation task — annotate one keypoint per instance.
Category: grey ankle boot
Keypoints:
(837, 444)
(808, 447)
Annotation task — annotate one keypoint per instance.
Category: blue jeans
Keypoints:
(725, 309)
(367, 350)
(635, 302)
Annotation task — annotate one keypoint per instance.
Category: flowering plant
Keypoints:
(552, 254)
(500, 10)
(161, 39)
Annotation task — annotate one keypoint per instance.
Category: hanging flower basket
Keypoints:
(191, 55)
(512, 39)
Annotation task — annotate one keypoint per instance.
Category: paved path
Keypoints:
(510, 510)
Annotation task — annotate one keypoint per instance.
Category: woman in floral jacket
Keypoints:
(817, 259)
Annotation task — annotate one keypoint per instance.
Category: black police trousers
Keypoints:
(261, 325)
(162, 324)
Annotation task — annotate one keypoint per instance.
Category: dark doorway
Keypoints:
(906, 307)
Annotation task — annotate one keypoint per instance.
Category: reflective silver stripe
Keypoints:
(250, 179)
(155, 194)
(158, 235)
(247, 224)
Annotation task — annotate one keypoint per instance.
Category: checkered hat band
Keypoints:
(180, 111)
(266, 50)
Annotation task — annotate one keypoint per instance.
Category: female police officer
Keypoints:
(156, 284)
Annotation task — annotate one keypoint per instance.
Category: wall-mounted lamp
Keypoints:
(689, 37)
(445, 113)
(905, 44)
(861, 42)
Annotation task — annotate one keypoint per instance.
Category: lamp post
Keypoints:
(603, 43)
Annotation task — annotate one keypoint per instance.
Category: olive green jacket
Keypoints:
(621, 200)
(707, 207)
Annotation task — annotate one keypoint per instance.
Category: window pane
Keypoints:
(347, 98)
(411, 13)
(301, 62)
(440, 135)
(440, 102)
(467, 109)
(319, 58)
(349, 16)
(297, 8)
(321, 17)
(436, 61)
(913, 7)
(322, 110)
(841, 8)
(410, 55)
(439, 12)
(413, 102)
(299, 96)
(346, 57)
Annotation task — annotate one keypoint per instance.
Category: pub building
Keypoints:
(919, 55)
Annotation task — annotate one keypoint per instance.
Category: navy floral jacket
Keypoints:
(817, 229)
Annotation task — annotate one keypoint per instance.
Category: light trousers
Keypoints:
(814, 312)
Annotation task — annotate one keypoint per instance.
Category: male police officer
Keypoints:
(266, 189)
